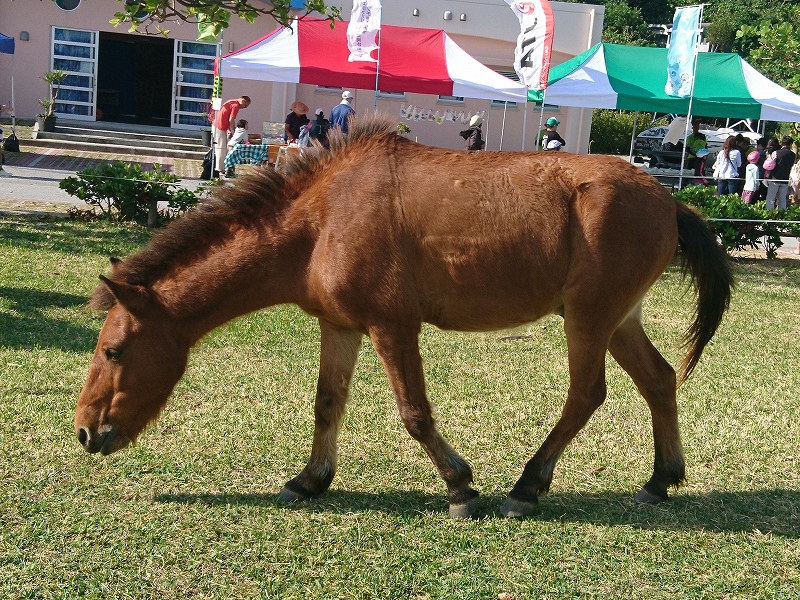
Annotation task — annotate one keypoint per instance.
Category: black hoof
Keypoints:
(643, 496)
(516, 509)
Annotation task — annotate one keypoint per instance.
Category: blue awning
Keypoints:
(6, 44)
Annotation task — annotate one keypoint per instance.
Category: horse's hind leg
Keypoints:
(655, 379)
(399, 352)
(338, 354)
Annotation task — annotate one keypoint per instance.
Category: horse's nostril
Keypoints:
(83, 436)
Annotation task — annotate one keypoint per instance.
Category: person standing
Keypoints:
(342, 112)
(474, 135)
(695, 141)
(778, 184)
(224, 126)
(550, 133)
(319, 128)
(295, 121)
(751, 178)
(726, 167)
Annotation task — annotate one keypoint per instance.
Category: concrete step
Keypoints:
(119, 149)
(122, 139)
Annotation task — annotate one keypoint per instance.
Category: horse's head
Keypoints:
(140, 356)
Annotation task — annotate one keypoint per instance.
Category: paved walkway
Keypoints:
(31, 177)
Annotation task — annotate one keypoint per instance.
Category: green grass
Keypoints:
(189, 512)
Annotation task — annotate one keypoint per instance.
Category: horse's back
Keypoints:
(490, 240)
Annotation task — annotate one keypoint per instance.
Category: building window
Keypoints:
(68, 4)
(451, 99)
(392, 95)
(142, 13)
(503, 104)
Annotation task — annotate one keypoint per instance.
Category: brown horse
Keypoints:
(380, 234)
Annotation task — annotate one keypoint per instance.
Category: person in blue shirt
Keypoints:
(342, 112)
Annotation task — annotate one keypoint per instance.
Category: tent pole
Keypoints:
(486, 140)
(633, 135)
(13, 103)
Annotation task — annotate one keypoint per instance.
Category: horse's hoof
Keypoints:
(516, 509)
(465, 510)
(287, 496)
(645, 497)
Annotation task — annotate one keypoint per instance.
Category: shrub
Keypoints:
(611, 131)
(751, 227)
(124, 192)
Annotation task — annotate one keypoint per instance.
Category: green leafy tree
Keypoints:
(215, 14)
(777, 51)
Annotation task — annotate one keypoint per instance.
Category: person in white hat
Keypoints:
(550, 134)
(474, 135)
(342, 112)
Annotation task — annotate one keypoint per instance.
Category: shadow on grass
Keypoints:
(760, 511)
(24, 324)
(73, 238)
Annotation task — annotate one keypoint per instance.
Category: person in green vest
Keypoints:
(695, 141)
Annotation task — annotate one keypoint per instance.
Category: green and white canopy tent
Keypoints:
(632, 78)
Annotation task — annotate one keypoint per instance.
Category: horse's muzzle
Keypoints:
(105, 440)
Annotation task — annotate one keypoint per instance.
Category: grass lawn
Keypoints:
(189, 512)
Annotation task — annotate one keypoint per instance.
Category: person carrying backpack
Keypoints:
(319, 128)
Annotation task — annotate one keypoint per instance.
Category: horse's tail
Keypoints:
(707, 263)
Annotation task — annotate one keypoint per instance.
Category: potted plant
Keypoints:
(47, 117)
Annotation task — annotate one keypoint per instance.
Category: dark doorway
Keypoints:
(134, 79)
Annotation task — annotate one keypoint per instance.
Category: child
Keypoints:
(751, 178)
(240, 134)
(239, 137)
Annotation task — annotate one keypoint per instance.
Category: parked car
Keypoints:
(650, 143)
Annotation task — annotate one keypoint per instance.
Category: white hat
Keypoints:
(553, 145)
(347, 95)
(475, 121)
(318, 111)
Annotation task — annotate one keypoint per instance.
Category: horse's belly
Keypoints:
(497, 297)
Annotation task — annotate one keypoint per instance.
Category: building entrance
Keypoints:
(134, 79)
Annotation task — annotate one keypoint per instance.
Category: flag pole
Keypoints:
(541, 120)
(691, 92)
(378, 62)
(525, 119)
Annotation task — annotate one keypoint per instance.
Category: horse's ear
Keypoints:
(135, 298)
(115, 263)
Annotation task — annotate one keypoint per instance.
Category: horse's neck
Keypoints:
(248, 271)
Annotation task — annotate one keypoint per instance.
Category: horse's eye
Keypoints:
(113, 354)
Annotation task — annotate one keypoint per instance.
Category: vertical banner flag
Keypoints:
(682, 51)
(362, 32)
(535, 42)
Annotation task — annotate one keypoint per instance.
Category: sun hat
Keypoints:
(753, 156)
(299, 108)
(552, 121)
(475, 120)
(318, 111)
(702, 152)
(553, 145)
(347, 95)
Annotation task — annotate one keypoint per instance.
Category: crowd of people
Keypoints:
(299, 130)
(769, 171)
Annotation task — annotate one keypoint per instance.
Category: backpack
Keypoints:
(319, 131)
(11, 144)
(208, 163)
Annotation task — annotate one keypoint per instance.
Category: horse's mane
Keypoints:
(255, 198)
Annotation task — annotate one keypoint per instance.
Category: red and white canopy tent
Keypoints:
(413, 60)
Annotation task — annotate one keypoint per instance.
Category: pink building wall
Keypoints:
(580, 27)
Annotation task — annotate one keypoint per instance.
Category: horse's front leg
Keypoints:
(338, 354)
(399, 353)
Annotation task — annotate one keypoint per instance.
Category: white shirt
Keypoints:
(727, 168)
(239, 137)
